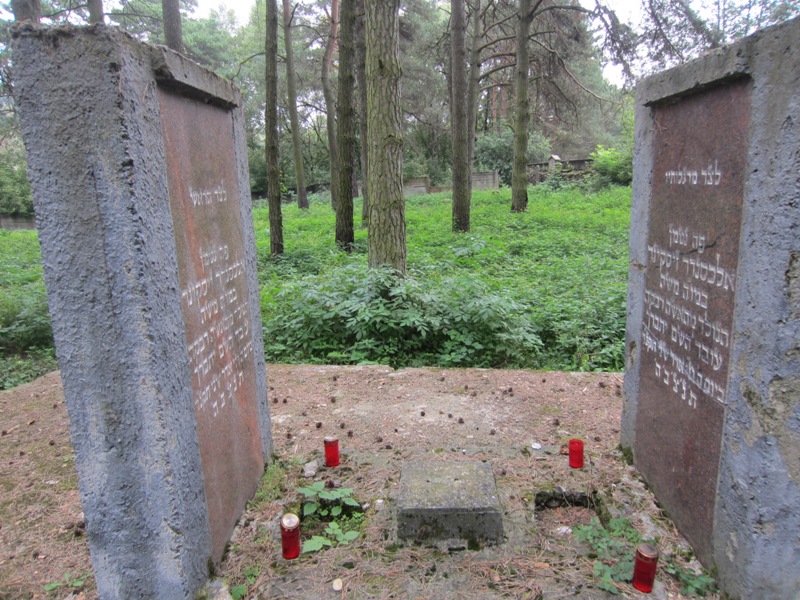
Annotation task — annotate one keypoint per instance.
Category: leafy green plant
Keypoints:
(16, 369)
(337, 509)
(73, 583)
(613, 548)
(334, 534)
(240, 590)
(326, 502)
(15, 191)
(614, 165)
(31, 326)
(356, 315)
(692, 583)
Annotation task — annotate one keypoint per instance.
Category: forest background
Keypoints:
(541, 289)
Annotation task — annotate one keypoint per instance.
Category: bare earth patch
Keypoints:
(515, 420)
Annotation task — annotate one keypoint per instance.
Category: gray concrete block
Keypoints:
(449, 500)
(148, 253)
(722, 457)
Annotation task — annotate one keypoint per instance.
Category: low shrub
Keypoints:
(355, 315)
(613, 165)
(16, 369)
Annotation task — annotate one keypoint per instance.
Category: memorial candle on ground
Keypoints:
(576, 454)
(331, 452)
(290, 536)
(644, 568)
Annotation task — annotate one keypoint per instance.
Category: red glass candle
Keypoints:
(290, 535)
(644, 568)
(576, 454)
(331, 452)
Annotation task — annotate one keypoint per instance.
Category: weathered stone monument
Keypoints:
(444, 500)
(712, 383)
(138, 165)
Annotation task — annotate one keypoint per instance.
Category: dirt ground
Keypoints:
(517, 421)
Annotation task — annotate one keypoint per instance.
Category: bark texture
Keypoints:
(271, 122)
(346, 127)
(26, 10)
(361, 78)
(291, 87)
(95, 11)
(173, 32)
(519, 174)
(473, 88)
(330, 102)
(458, 117)
(387, 219)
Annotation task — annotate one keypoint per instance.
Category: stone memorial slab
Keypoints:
(206, 213)
(712, 378)
(699, 146)
(442, 500)
(138, 167)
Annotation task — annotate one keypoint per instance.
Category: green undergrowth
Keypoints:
(26, 338)
(331, 515)
(613, 548)
(542, 289)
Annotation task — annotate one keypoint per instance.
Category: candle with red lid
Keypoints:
(576, 454)
(644, 568)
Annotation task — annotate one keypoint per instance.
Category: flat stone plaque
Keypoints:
(204, 201)
(441, 500)
(700, 148)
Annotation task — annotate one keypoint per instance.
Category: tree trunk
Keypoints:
(271, 122)
(330, 103)
(95, 11)
(361, 76)
(458, 118)
(387, 219)
(26, 10)
(474, 82)
(346, 126)
(173, 34)
(291, 78)
(519, 174)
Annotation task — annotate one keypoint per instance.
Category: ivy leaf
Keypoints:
(309, 508)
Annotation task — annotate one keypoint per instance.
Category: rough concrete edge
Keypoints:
(637, 262)
(173, 70)
(175, 527)
(714, 67)
(756, 522)
(737, 577)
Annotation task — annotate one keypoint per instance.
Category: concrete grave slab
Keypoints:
(442, 500)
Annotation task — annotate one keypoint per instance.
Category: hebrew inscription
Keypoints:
(689, 345)
(214, 294)
(699, 164)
